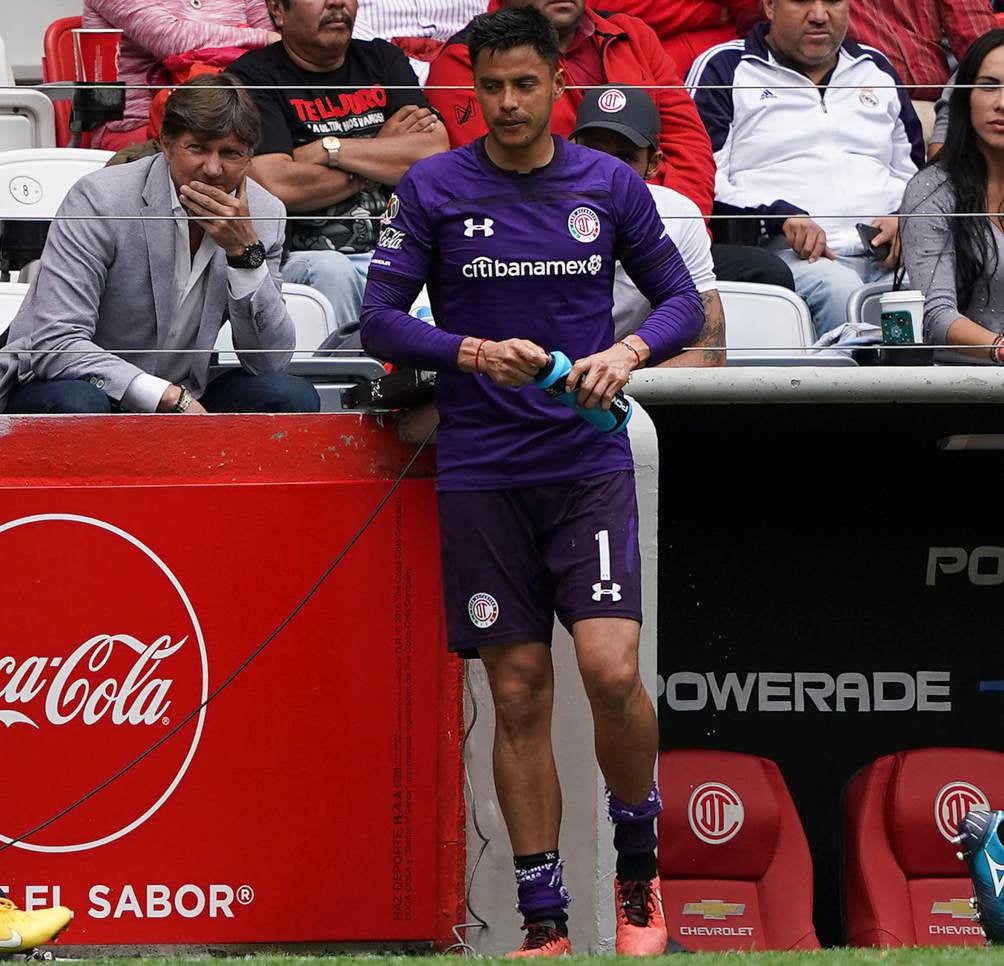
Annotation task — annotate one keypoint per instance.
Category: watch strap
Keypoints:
(184, 401)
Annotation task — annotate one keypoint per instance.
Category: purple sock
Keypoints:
(540, 892)
(635, 837)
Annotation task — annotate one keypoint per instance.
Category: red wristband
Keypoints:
(477, 357)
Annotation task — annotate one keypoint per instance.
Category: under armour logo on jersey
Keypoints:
(767, 95)
(485, 227)
(599, 591)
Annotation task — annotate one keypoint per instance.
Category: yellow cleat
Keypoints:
(20, 930)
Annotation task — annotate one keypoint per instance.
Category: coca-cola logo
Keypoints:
(101, 653)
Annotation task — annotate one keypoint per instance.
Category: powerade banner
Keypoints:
(831, 580)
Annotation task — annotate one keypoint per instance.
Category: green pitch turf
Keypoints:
(826, 957)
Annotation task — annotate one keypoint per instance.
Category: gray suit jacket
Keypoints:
(105, 286)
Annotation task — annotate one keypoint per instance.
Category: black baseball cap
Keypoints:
(627, 110)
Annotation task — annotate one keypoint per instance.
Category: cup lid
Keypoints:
(911, 295)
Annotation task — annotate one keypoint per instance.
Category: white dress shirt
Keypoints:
(146, 390)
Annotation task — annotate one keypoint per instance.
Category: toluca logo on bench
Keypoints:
(101, 654)
(715, 813)
(953, 803)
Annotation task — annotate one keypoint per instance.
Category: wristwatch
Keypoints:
(333, 146)
(184, 401)
(251, 257)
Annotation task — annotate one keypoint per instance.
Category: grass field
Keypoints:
(826, 957)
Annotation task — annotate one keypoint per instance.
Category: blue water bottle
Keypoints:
(552, 380)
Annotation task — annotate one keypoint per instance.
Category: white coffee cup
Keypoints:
(910, 301)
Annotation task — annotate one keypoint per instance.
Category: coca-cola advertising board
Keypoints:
(318, 796)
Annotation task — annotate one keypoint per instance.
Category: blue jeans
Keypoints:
(341, 278)
(828, 285)
(236, 391)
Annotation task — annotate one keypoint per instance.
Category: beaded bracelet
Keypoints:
(995, 350)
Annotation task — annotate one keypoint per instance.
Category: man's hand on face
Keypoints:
(806, 238)
(889, 234)
(219, 209)
(410, 119)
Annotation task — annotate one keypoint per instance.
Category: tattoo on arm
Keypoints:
(712, 337)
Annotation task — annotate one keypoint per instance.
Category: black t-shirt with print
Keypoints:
(350, 102)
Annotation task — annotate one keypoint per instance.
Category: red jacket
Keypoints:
(687, 28)
(632, 55)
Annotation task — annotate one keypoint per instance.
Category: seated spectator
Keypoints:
(338, 130)
(687, 28)
(435, 19)
(807, 133)
(157, 29)
(22, 931)
(418, 29)
(109, 282)
(958, 263)
(595, 50)
(628, 127)
(910, 34)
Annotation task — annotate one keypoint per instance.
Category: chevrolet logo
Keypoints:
(956, 908)
(715, 909)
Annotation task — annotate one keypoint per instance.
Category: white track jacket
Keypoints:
(784, 146)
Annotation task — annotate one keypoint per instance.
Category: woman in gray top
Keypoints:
(957, 262)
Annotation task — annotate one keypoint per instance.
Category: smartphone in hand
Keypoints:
(867, 234)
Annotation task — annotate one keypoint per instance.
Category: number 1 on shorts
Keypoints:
(614, 590)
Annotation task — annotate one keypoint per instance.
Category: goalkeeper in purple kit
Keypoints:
(517, 236)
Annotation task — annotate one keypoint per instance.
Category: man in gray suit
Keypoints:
(111, 292)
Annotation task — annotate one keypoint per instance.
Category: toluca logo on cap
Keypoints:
(612, 101)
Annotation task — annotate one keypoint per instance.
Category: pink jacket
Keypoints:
(156, 29)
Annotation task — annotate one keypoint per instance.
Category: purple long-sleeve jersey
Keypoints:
(531, 256)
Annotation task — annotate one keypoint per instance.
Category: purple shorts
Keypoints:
(514, 558)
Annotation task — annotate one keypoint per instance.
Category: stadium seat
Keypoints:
(312, 315)
(733, 859)
(33, 184)
(26, 119)
(57, 65)
(764, 321)
(864, 306)
(314, 319)
(903, 884)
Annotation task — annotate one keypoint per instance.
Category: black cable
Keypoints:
(283, 624)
